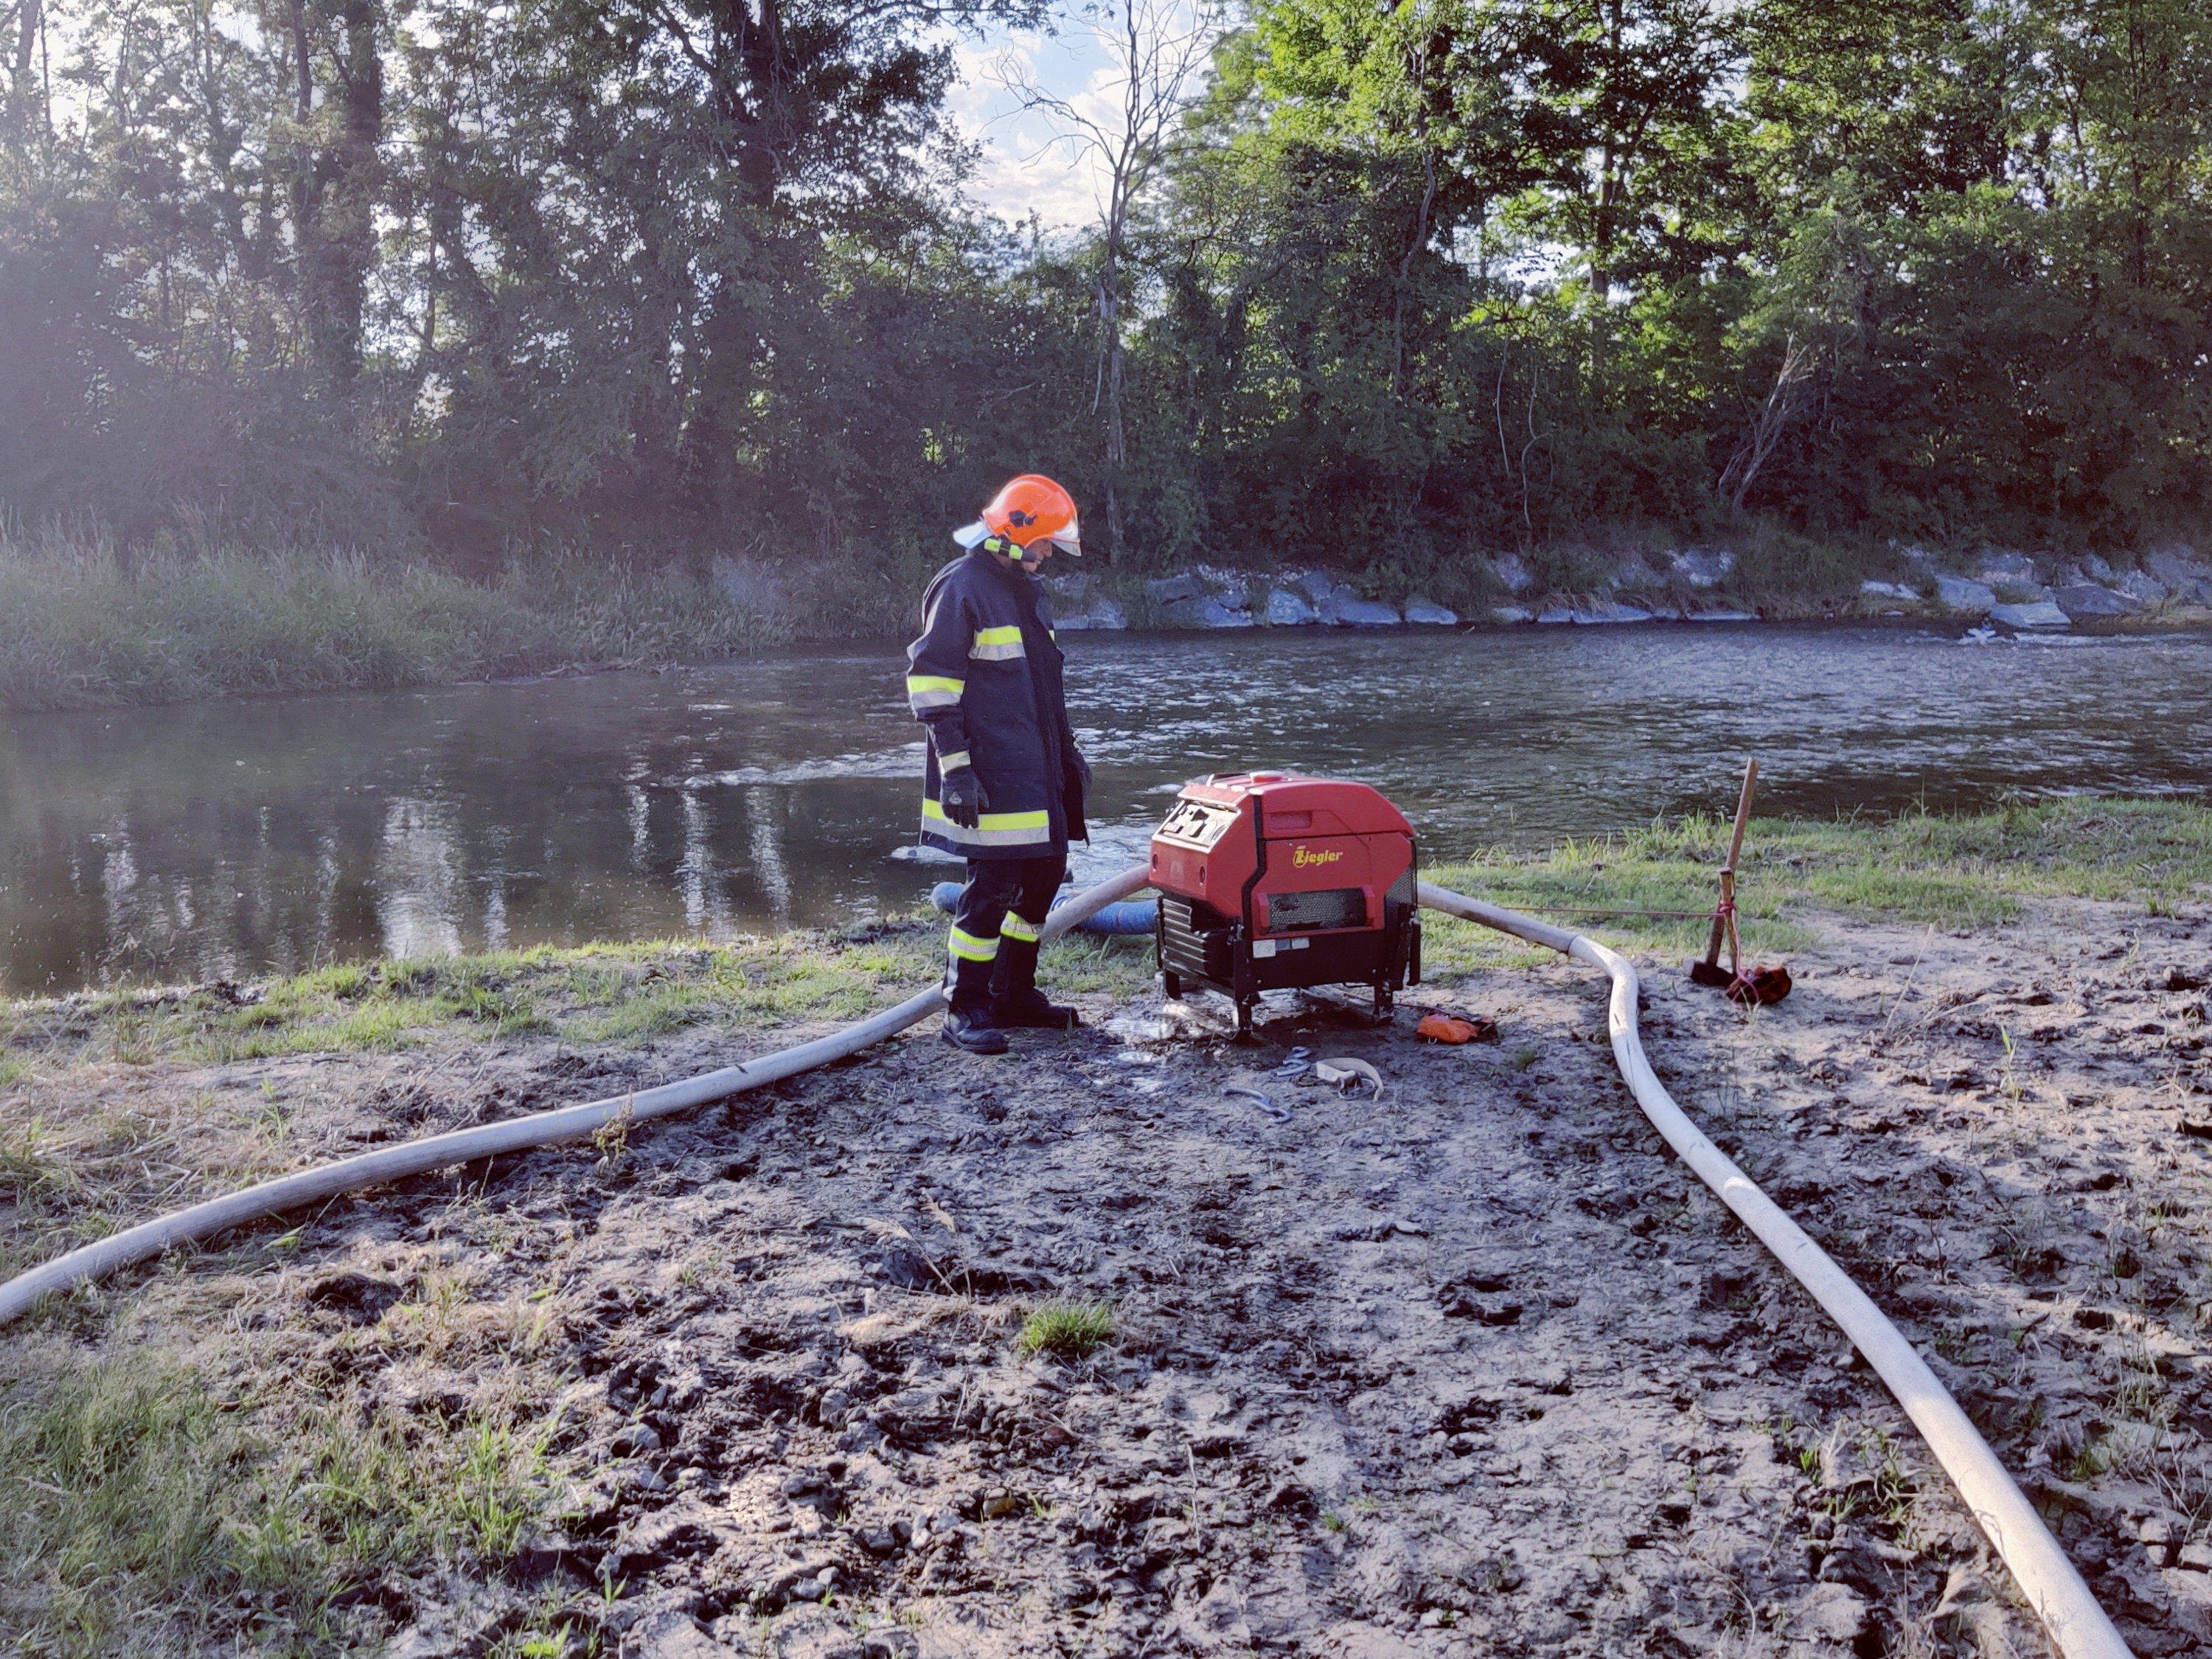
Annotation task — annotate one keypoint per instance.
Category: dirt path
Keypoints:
(1473, 1369)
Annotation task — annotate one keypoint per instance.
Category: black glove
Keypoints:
(960, 793)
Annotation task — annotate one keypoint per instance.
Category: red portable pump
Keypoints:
(1274, 880)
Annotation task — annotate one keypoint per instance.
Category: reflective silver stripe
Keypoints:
(953, 761)
(988, 833)
(969, 948)
(933, 699)
(1000, 644)
(1015, 927)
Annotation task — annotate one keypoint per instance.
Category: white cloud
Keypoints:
(1025, 164)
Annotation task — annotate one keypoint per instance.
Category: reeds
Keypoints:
(82, 626)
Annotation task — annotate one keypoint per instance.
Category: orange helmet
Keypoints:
(1031, 509)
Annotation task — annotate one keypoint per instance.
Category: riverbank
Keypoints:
(1076, 1354)
(79, 629)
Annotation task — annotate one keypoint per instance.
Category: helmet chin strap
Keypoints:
(1018, 556)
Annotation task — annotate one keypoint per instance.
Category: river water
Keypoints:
(229, 839)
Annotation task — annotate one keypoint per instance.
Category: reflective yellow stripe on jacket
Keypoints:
(932, 692)
(997, 644)
(994, 830)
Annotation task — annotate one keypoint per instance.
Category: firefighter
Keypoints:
(1003, 785)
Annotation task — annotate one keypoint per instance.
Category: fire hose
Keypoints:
(2046, 1578)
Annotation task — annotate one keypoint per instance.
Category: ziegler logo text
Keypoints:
(1302, 856)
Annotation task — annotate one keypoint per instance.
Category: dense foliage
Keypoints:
(688, 276)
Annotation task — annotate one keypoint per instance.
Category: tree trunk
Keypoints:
(337, 179)
(1110, 318)
(25, 106)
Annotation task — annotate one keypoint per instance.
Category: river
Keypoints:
(229, 839)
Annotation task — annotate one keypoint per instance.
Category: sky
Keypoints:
(1026, 165)
(1021, 168)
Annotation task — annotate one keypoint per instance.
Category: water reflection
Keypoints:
(418, 882)
(235, 838)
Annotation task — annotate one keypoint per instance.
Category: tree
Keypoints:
(1158, 49)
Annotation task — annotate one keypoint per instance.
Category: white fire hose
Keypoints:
(2077, 1625)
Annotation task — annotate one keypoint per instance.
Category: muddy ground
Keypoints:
(1475, 1368)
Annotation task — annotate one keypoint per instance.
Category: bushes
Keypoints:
(79, 628)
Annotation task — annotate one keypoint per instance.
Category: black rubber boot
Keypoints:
(972, 1032)
(969, 1026)
(1016, 1002)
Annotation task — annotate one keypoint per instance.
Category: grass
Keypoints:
(79, 628)
(76, 1166)
(153, 1510)
(1066, 1330)
(1960, 871)
(601, 995)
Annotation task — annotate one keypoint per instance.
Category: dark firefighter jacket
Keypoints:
(985, 679)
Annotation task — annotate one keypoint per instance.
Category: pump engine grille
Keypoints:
(1332, 907)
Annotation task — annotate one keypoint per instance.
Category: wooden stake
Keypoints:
(1723, 923)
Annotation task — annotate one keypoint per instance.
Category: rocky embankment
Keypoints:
(2019, 592)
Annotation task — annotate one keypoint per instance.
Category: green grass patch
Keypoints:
(146, 1510)
(1951, 871)
(1066, 1330)
(602, 994)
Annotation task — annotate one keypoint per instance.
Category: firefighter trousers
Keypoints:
(996, 924)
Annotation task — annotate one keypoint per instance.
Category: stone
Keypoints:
(1167, 590)
(1508, 614)
(2188, 577)
(910, 1269)
(1606, 611)
(1345, 609)
(1959, 594)
(636, 1440)
(2139, 585)
(2042, 614)
(2192, 1601)
(2097, 569)
(1101, 614)
(359, 1298)
(1072, 586)
(1702, 567)
(2008, 567)
(1318, 584)
(1229, 586)
(2083, 601)
(1513, 571)
(670, 1634)
(1723, 616)
(1425, 613)
(1205, 611)
(1832, 1612)
(2195, 1558)
(1286, 610)
(1874, 590)
(1557, 613)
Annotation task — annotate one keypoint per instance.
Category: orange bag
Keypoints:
(1456, 1028)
